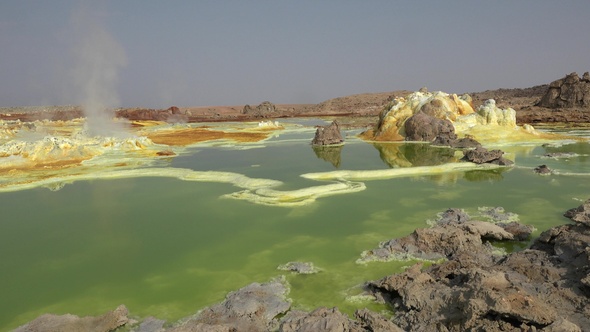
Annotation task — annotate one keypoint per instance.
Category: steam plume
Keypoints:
(97, 60)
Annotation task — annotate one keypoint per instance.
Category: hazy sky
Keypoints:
(195, 53)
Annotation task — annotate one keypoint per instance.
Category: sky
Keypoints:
(157, 54)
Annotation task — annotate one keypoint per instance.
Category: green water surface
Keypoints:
(167, 248)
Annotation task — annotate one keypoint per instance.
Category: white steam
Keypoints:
(97, 58)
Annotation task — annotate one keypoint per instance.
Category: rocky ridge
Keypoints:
(566, 100)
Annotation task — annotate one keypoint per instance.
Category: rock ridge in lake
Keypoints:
(542, 288)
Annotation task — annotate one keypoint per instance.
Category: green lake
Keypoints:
(165, 247)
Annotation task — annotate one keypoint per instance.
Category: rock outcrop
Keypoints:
(256, 307)
(299, 267)
(393, 117)
(328, 135)
(481, 155)
(581, 214)
(324, 319)
(265, 109)
(412, 118)
(427, 128)
(568, 92)
(172, 114)
(454, 234)
(543, 288)
(542, 169)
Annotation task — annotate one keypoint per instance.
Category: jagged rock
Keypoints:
(321, 319)
(426, 128)
(481, 155)
(265, 109)
(568, 92)
(171, 114)
(328, 135)
(520, 231)
(580, 214)
(543, 288)
(255, 307)
(151, 324)
(375, 322)
(324, 319)
(299, 267)
(453, 234)
(542, 169)
(66, 323)
(453, 216)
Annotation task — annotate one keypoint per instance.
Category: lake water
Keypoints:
(167, 247)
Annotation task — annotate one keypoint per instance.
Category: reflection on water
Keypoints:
(166, 243)
(488, 175)
(414, 154)
(331, 154)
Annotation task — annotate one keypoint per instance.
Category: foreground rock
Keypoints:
(324, 319)
(66, 323)
(545, 287)
(256, 307)
(581, 214)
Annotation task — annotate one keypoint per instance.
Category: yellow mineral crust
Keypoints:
(438, 104)
(31, 152)
(489, 124)
(364, 175)
(188, 136)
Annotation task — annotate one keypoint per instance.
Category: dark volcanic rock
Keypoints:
(171, 114)
(265, 109)
(544, 288)
(481, 155)
(324, 319)
(426, 128)
(453, 235)
(321, 319)
(299, 267)
(567, 92)
(255, 307)
(66, 323)
(580, 214)
(542, 169)
(328, 135)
